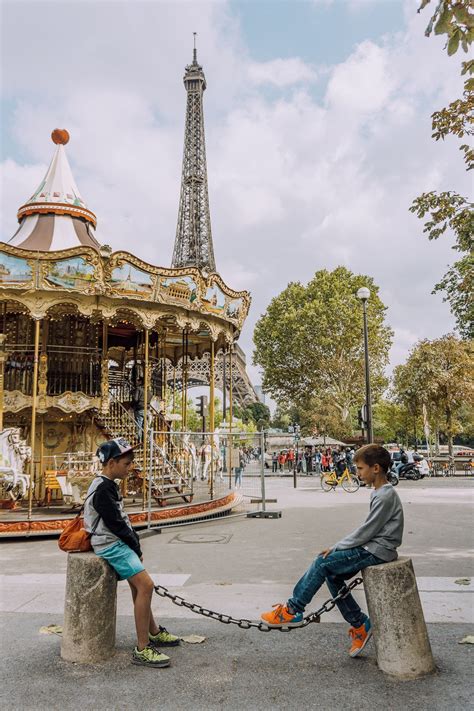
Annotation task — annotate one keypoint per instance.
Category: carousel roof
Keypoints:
(56, 217)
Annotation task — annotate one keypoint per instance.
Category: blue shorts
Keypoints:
(123, 560)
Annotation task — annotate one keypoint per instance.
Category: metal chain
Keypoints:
(248, 624)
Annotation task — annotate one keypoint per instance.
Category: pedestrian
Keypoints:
(374, 542)
(274, 462)
(350, 460)
(339, 459)
(138, 404)
(324, 462)
(291, 460)
(114, 540)
(317, 461)
(281, 460)
(238, 471)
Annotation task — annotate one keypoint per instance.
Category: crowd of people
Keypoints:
(313, 460)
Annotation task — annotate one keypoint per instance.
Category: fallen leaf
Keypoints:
(463, 581)
(467, 640)
(193, 639)
(51, 629)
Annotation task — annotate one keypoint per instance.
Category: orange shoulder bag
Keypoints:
(74, 538)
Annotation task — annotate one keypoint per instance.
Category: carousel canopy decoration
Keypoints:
(56, 216)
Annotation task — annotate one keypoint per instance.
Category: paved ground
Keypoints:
(241, 566)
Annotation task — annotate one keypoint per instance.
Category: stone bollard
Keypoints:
(401, 638)
(90, 609)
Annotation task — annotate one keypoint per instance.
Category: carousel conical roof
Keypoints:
(56, 217)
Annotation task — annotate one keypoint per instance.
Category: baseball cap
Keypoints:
(113, 448)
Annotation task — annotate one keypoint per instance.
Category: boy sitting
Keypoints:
(375, 541)
(114, 539)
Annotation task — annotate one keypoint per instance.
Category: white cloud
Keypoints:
(281, 72)
(297, 183)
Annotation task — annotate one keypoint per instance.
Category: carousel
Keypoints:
(97, 344)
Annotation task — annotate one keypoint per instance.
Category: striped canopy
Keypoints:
(56, 217)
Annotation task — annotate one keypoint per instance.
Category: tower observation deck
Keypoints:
(193, 244)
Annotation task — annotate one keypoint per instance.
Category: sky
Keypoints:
(318, 128)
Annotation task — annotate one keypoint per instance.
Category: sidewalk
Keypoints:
(232, 669)
(240, 567)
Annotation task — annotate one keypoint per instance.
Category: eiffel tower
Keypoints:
(193, 244)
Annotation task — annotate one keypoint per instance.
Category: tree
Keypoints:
(395, 422)
(309, 342)
(447, 210)
(440, 375)
(260, 414)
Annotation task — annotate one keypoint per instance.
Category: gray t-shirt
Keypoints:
(382, 531)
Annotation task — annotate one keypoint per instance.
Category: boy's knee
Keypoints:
(149, 586)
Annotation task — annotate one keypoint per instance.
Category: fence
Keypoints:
(205, 466)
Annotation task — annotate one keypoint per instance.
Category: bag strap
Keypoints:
(81, 510)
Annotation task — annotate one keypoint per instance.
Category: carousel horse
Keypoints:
(210, 452)
(14, 453)
(189, 450)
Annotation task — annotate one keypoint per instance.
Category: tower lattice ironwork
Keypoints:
(193, 244)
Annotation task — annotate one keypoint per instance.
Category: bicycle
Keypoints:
(348, 481)
(448, 468)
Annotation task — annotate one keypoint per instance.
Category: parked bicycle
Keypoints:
(469, 468)
(348, 481)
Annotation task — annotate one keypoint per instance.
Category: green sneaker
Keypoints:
(164, 639)
(150, 657)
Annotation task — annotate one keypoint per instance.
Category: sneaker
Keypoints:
(360, 637)
(163, 639)
(281, 616)
(150, 657)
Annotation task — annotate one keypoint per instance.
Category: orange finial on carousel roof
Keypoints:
(60, 136)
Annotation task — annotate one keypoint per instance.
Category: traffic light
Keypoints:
(362, 417)
(201, 404)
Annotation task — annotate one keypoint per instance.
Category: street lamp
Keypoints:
(363, 294)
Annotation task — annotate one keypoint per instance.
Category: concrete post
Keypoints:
(90, 609)
(401, 638)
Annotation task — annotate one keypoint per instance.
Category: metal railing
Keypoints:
(19, 363)
(74, 369)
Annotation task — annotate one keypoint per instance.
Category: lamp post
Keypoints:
(363, 294)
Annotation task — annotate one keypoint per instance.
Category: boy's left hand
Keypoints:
(326, 552)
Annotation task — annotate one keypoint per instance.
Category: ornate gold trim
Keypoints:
(150, 304)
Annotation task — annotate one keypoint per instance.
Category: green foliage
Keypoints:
(453, 18)
(457, 285)
(309, 343)
(395, 422)
(457, 118)
(440, 375)
(449, 211)
(256, 414)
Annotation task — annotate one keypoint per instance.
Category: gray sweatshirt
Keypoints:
(382, 531)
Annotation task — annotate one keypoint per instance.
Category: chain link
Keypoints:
(248, 624)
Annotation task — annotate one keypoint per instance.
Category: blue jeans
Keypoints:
(139, 422)
(338, 567)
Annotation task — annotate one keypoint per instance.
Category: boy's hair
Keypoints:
(372, 454)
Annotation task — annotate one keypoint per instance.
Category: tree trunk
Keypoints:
(449, 430)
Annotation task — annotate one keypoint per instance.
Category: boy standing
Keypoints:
(114, 539)
(374, 542)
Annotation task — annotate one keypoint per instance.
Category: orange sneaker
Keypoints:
(360, 637)
(281, 616)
